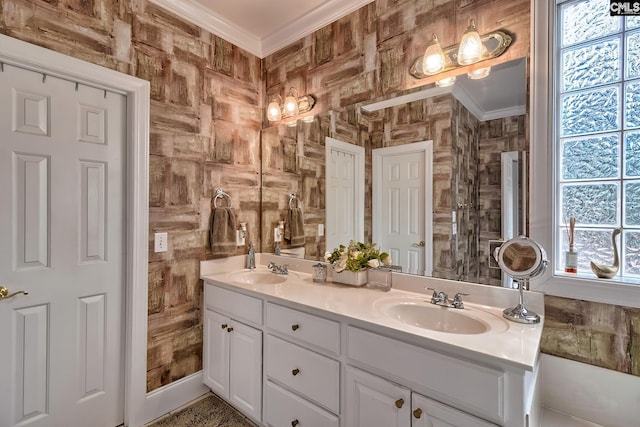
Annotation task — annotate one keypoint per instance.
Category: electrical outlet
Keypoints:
(277, 237)
(320, 230)
(160, 242)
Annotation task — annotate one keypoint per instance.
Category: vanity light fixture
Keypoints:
(473, 48)
(480, 73)
(433, 61)
(446, 82)
(292, 105)
(470, 50)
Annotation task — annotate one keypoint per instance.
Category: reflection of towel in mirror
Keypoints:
(222, 232)
(294, 227)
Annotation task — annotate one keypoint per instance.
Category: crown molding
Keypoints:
(194, 12)
(315, 19)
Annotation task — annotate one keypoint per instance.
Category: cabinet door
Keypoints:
(216, 352)
(375, 402)
(245, 370)
(429, 413)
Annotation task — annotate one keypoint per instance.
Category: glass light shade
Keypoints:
(478, 74)
(470, 49)
(447, 81)
(291, 104)
(433, 61)
(273, 110)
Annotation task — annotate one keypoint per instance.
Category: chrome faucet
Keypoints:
(251, 258)
(442, 299)
(278, 269)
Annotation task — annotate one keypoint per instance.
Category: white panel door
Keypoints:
(245, 369)
(429, 413)
(345, 193)
(61, 227)
(402, 205)
(375, 402)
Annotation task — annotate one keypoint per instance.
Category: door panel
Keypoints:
(62, 226)
(402, 205)
(344, 196)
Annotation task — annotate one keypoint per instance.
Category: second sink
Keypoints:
(257, 277)
(422, 314)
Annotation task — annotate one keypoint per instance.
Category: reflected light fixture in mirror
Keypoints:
(470, 50)
(480, 73)
(274, 113)
(446, 82)
(292, 105)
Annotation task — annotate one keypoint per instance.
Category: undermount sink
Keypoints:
(257, 277)
(423, 314)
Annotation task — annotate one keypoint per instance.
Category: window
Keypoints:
(597, 134)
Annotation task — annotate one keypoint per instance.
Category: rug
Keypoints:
(207, 412)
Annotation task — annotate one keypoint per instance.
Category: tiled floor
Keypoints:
(207, 412)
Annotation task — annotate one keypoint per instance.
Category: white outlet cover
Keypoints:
(160, 242)
(320, 230)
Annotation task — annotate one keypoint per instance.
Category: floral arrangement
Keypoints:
(357, 256)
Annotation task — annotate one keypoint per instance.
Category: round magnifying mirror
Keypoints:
(522, 259)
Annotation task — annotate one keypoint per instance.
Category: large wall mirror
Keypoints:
(421, 173)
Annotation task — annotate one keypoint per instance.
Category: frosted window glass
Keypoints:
(590, 111)
(578, 156)
(632, 203)
(592, 65)
(633, 22)
(592, 245)
(591, 204)
(632, 67)
(631, 264)
(587, 20)
(632, 153)
(632, 105)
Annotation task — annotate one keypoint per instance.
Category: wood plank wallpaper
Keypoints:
(206, 118)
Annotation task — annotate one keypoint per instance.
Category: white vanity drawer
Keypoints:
(283, 408)
(304, 327)
(310, 374)
(472, 387)
(235, 305)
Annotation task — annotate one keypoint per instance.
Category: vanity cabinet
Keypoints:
(322, 369)
(233, 350)
(375, 401)
(302, 376)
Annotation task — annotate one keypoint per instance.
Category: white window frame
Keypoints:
(543, 189)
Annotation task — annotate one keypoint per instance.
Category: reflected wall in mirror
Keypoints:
(469, 126)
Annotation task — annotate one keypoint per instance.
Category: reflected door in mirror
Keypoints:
(402, 205)
(345, 193)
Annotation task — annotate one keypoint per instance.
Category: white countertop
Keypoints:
(507, 342)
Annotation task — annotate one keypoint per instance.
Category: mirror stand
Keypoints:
(520, 313)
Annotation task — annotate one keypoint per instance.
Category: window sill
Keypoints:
(589, 288)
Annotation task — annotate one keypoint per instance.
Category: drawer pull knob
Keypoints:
(295, 372)
(399, 403)
(294, 423)
(295, 327)
(417, 413)
(224, 326)
(229, 329)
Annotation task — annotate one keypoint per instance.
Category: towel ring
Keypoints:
(220, 194)
(293, 197)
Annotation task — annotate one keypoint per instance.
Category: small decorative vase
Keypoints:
(351, 278)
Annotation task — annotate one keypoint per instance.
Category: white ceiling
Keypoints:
(261, 27)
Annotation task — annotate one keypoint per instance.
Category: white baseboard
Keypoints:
(590, 393)
(171, 397)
